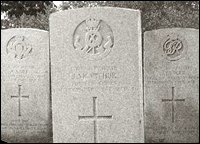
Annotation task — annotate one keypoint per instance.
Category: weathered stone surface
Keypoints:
(25, 94)
(171, 58)
(96, 76)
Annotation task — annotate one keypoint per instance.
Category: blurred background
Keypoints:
(155, 14)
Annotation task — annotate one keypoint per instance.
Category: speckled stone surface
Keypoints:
(25, 94)
(171, 80)
(96, 62)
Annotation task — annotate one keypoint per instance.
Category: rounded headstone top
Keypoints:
(88, 9)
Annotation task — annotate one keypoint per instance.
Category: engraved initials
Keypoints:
(173, 46)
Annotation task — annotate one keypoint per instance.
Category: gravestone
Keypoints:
(96, 76)
(25, 93)
(171, 85)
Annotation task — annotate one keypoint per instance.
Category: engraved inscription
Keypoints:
(102, 78)
(24, 73)
(97, 40)
(19, 47)
(175, 129)
(24, 125)
(173, 100)
(184, 74)
(95, 118)
(19, 97)
(174, 47)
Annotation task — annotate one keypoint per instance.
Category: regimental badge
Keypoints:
(93, 39)
(19, 47)
(174, 47)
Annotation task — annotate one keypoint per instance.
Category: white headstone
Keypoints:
(25, 93)
(171, 81)
(97, 76)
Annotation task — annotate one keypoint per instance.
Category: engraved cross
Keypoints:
(173, 101)
(19, 97)
(95, 118)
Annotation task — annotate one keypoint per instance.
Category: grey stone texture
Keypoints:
(171, 85)
(96, 63)
(25, 93)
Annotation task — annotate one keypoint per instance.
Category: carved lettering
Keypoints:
(174, 47)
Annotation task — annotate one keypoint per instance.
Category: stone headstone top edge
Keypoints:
(92, 8)
(170, 29)
(24, 29)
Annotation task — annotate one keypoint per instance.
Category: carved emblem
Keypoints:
(18, 47)
(93, 39)
(174, 47)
